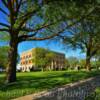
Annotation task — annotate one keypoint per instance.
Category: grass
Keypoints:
(98, 93)
(95, 95)
(33, 82)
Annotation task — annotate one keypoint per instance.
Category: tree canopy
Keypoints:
(85, 36)
(73, 61)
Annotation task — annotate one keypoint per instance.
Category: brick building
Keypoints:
(28, 63)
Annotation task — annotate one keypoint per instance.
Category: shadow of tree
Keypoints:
(33, 83)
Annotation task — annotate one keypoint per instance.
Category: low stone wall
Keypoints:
(75, 91)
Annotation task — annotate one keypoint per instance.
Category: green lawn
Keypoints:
(95, 95)
(31, 82)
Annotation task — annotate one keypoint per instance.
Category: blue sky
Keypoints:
(45, 44)
(24, 46)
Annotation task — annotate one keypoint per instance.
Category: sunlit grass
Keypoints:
(31, 82)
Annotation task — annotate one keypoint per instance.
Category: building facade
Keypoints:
(28, 62)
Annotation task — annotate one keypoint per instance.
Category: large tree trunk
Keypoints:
(88, 64)
(11, 68)
(88, 53)
(88, 60)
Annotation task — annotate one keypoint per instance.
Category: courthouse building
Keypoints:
(28, 63)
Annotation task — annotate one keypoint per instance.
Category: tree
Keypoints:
(20, 22)
(4, 56)
(73, 61)
(40, 58)
(85, 36)
(49, 58)
(96, 60)
(89, 40)
(67, 64)
(43, 58)
(82, 63)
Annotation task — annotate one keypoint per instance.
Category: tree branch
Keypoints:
(3, 11)
(4, 2)
(33, 30)
(5, 25)
(3, 29)
(26, 17)
(18, 6)
(36, 38)
(96, 49)
(28, 38)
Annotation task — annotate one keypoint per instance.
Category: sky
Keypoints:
(24, 46)
(44, 44)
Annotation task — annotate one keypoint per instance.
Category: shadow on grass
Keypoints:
(47, 81)
(34, 82)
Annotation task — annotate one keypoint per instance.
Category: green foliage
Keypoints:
(59, 12)
(67, 63)
(95, 64)
(67, 8)
(4, 56)
(86, 28)
(73, 62)
(91, 97)
(40, 57)
(43, 57)
(4, 36)
(85, 36)
(82, 63)
(95, 95)
(50, 56)
(51, 11)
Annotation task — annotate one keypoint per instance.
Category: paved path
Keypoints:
(76, 91)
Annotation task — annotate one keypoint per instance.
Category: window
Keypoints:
(26, 62)
(30, 61)
(26, 56)
(23, 62)
(30, 55)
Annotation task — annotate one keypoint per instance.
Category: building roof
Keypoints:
(42, 48)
